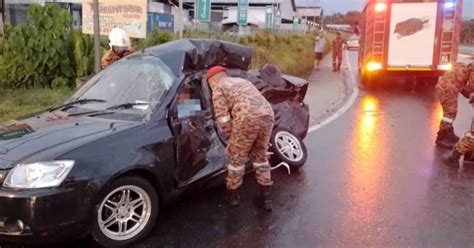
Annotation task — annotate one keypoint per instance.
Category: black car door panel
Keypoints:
(199, 150)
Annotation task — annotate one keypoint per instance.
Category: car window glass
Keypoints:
(135, 80)
(188, 102)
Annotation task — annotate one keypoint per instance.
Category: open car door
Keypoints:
(199, 150)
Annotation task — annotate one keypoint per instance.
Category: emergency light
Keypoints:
(374, 66)
(449, 4)
(379, 7)
(446, 67)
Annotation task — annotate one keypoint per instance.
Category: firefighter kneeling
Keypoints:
(466, 145)
(448, 89)
(247, 120)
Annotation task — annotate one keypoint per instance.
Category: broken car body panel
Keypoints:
(176, 152)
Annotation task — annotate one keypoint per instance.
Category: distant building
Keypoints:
(163, 13)
(313, 14)
(339, 27)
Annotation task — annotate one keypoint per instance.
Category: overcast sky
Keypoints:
(332, 6)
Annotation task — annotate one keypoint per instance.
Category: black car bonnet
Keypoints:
(195, 54)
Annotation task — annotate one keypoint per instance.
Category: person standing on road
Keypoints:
(319, 47)
(356, 31)
(337, 48)
(247, 120)
(120, 47)
(448, 89)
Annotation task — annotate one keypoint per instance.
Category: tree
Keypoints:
(467, 31)
(38, 54)
(349, 18)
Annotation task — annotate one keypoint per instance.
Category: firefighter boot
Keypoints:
(232, 197)
(338, 66)
(443, 139)
(469, 158)
(451, 136)
(453, 159)
(263, 200)
(334, 66)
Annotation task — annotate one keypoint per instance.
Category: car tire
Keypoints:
(114, 209)
(295, 158)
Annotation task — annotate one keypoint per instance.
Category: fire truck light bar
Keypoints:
(449, 4)
(379, 7)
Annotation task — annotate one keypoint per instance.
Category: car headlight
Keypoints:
(38, 175)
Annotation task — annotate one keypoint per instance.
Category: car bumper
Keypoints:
(45, 215)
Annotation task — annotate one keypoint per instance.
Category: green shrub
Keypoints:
(35, 55)
(292, 53)
(156, 37)
(22, 102)
(83, 51)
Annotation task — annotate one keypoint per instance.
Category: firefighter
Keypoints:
(119, 47)
(337, 47)
(247, 120)
(448, 89)
(465, 146)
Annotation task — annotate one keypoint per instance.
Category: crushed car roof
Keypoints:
(200, 54)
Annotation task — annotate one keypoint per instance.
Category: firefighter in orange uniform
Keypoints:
(247, 120)
(119, 47)
(337, 47)
(448, 89)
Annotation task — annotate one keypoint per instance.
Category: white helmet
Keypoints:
(118, 37)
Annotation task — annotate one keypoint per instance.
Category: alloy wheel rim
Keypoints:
(124, 213)
(288, 146)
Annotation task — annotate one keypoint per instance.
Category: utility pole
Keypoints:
(96, 36)
(2, 29)
(181, 17)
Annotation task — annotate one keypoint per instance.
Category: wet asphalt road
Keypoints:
(373, 179)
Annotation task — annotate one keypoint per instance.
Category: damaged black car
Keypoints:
(134, 138)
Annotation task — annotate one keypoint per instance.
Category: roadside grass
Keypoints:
(23, 102)
(291, 52)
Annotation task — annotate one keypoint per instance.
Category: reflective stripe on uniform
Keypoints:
(469, 135)
(266, 163)
(448, 120)
(235, 167)
(223, 119)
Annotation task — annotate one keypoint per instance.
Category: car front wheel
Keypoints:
(289, 148)
(125, 213)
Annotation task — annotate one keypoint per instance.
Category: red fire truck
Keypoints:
(408, 38)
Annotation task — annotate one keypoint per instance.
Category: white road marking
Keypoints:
(355, 93)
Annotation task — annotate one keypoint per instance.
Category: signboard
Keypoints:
(269, 17)
(295, 23)
(242, 12)
(203, 12)
(412, 34)
(277, 19)
(131, 15)
(160, 21)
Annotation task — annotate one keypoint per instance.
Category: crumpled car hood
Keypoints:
(48, 131)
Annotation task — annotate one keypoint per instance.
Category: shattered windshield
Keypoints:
(142, 80)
